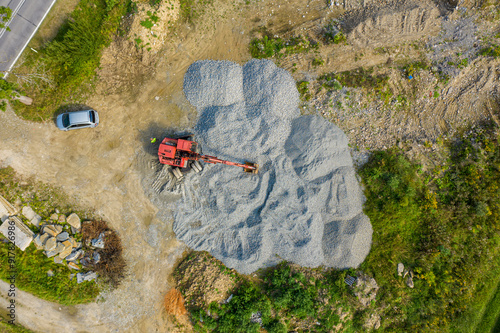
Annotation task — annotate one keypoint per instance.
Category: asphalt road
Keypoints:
(27, 15)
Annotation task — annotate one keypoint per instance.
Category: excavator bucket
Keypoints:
(254, 169)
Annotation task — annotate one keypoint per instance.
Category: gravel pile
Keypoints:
(304, 206)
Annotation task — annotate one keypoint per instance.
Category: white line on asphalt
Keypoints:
(19, 54)
(14, 13)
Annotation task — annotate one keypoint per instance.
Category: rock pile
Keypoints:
(59, 240)
(304, 205)
(60, 244)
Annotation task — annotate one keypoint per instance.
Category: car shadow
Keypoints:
(69, 108)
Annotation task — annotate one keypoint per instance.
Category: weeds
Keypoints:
(445, 228)
(73, 56)
(193, 9)
(411, 68)
(491, 51)
(267, 47)
(303, 88)
(359, 78)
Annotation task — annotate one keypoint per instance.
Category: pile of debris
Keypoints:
(61, 242)
(58, 238)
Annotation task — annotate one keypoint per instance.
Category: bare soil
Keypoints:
(140, 96)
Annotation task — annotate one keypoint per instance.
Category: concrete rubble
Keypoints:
(74, 221)
(98, 242)
(89, 276)
(23, 235)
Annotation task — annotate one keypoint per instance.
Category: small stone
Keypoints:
(38, 242)
(28, 212)
(53, 217)
(72, 241)
(409, 282)
(78, 245)
(61, 218)
(60, 247)
(67, 250)
(66, 227)
(59, 228)
(72, 265)
(50, 273)
(43, 238)
(73, 231)
(36, 220)
(89, 276)
(97, 257)
(405, 272)
(50, 254)
(74, 221)
(50, 244)
(57, 211)
(58, 260)
(51, 229)
(74, 255)
(401, 268)
(62, 236)
(98, 242)
(71, 276)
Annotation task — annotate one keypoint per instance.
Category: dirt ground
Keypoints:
(140, 95)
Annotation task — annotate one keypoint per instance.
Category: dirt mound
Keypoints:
(174, 303)
(390, 24)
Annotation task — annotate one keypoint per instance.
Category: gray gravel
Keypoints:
(304, 206)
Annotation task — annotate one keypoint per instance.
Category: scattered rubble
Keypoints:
(89, 276)
(23, 235)
(401, 268)
(366, 289)
(54, 242)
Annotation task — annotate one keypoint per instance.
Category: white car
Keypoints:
(77, 119)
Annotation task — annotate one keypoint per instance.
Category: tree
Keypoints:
(5, 15)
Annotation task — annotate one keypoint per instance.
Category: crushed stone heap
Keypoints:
(304, 205)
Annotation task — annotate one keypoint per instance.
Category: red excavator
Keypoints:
(178, 152)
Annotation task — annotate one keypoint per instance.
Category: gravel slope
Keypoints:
(304, 206)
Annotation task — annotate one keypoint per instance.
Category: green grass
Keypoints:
(303, 88)
(444, 227)
(31, 276)
(8, 328)
(491, 317)
(410, 69)
(71, 59)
